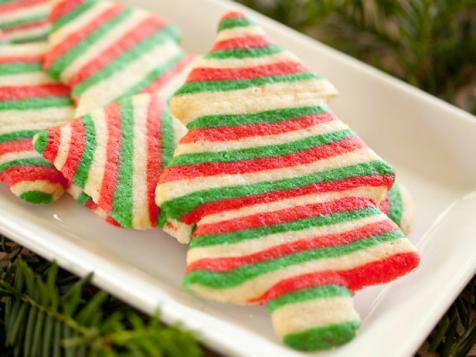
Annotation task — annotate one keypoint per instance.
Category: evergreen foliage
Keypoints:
(46, 311)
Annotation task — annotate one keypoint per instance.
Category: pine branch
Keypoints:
(48, 315)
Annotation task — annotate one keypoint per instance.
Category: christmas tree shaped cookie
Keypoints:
(30, 101)
(105, 51)
(25, 20)
(282, 195)
(114, 155)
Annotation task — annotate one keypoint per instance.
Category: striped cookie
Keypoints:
(399, 207)
(29, 101)
(244, 63)
(106, 51)
(114, 155)
(25, 20)
(281, 195)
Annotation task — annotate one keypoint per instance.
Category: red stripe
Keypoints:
(178, 70)
(31, 92)
(154, 154)
(384, 205)
(17, 174)
(17, 5)
(16, 146)
(228, 133)
(78, 36)
(320, 187)
(51, 149)
(250, 41)
(63, 8)
(282, 250)
(141, 31)
(266, 163)
(15, 59)
(108, 187)
(292, 214)
(31, 25)
(76, 149)
(224, 74)
(232, 15)
(378, 272)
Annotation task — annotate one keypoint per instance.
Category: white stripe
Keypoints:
(42, 9)
(140, 206)
(77, 24)
(17, 155)
(109, 89)
(93, 51)
(35, 119)
(63, 147)
(319, 312)
(254, 288)
(178, 230)
(32, 78)
(179, 188)
(74, 191)
(245, 62)
(362, 191)
(23, 49)
(96, 172)
(240, 31)
(301, 93)
(261, 140)
(253, 246)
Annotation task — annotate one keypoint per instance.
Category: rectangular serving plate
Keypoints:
(430, 143)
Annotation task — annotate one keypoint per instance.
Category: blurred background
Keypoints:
(429, 43)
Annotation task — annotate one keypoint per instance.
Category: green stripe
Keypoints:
(22, 21)
(168, 136)
(37, 197)
(35, 38)
(235, 277)
(234, 22)
(262, 151)
(31, 161)
(270, 116)
(395, 204)
(152, 76)
(124, 59)
(35, 103)
(17, 135)
(319, 292)
(82, 171)
(240, 53)
(75, 13)
(83, 198)
(179, 206)
(228, 85)
(322, 337)
(123, 195)
(41, 140)
(7, 69)
(69, 57)
(299, 225)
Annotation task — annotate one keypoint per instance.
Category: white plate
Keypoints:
(431, 144)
